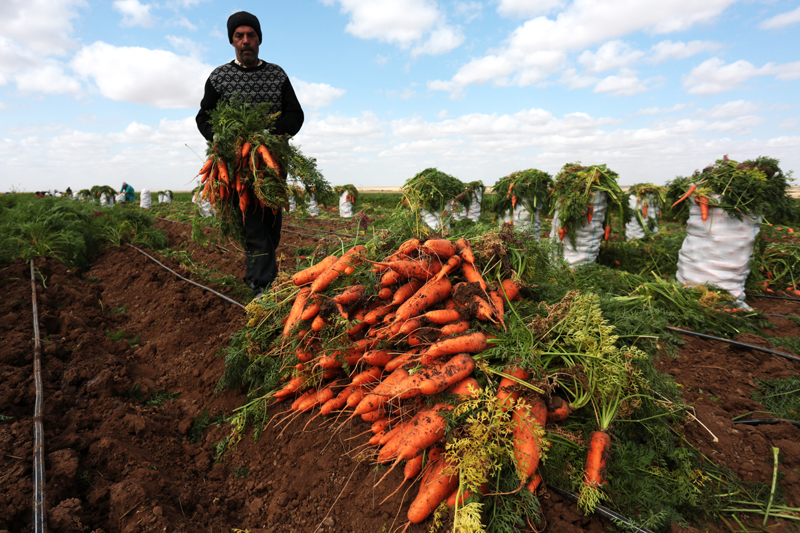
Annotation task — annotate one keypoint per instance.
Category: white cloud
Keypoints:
(666, 50)
(573, 80)
(315, 95)
(713, 76)
(733, 109)
(134, 13)
(661, 110)
(469, 10)
(538, 48)
(48, 78)
(404, 23)
(440, 41)
(626, 83)
(782, 20)
(139, 75)
(612, 55)
(49, 20)
(182, 44)
(529, 8)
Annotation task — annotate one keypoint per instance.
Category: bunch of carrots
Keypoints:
(407, 360)
(252, 166)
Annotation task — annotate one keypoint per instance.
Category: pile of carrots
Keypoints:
(407, 359)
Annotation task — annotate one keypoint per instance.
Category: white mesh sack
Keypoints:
(313, 208)
(292, 204)
(105, 201)
(718, 250)
(433, 219)
(474, 210)
(345, 205)
(120, 197)
(456, 211)
(145, 200)
(523, 220)
(588, 238)
(161, 197)
(634, 229)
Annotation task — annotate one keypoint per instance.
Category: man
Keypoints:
(129, 194)
(258, 82)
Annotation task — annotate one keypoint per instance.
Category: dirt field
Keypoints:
(124, 450)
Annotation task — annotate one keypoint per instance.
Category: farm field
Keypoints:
(138, 427)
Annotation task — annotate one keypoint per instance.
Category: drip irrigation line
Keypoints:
(756, 421)
(322, 231)
(212, 291)
(602, 511)
(773, 297)
(39, 519)
(304, 234)
(735, 343)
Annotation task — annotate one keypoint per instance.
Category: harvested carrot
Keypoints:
(441, 248)
(511, 289)
(454, 328)
(472, 275)
(465, 250)
(385, 293)
(457, 368)
(529, 421)
(268, 159)
(414, 269)
(373, 416)
(590, 213)
(349, 295)
(377, 358)
(206, 166)
(508, 389)
(356, 396)
(437, 488)
(535, 482)
(483, 311)
(223, 172)
(430, 294)
(597, 458)
(246, 149)
(443, 316)
(562, 231)
(688, 193)
(318, 398)
(558, 411)
(607, 233)
(327, 277)
(406, 291)
(370, 375)
(296, 310)
(702, 201)
(374, 316)
(391, 278)
(450, 266)
(381, 394)
(470, 343)
(411, 325)
(318, 323)
(311, 273)
(644, 209)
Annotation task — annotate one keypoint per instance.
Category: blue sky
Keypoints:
(94, 93)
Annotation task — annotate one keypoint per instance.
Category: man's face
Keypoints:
(245, 41)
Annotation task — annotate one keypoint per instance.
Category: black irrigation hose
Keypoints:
(602, 511)
(735, 343)
(756, 421)
(39, 519)
(212, 291)
(773, 297)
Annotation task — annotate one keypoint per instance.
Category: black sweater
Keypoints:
(264, 83)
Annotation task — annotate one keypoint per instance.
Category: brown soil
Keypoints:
(113, 463)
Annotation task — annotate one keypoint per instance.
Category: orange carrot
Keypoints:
(311, 311)
(385, 293)
(692, 188)
(425, 429)
(443, 316)
(311, 273)
(465, 251)
(374, 316)
(472, 275)
(528, 435)
(430, 294)
(470, 343)
(391, 278)
(441, 248)
(377, 358)
(644, 209)
(597, 458)
(457, 368)
(373, 416)
(407, 247)
(702, 201)
(411, 325)
(206, 166)
(320, 397)
(535, 482)
(607, 233)
(437, 488)
(406, 291)
(562, 231)
(511, 289)
(507, 389)
(401, 360)
(246, 149)
(414, 269)
(560, 410)
(589, 213)
(450, 266)
(328, 276)
(466, 387)
(370, 375)
(317, 324)
(223, 172)
(349, 295)
(296, 311)
(356, 396)
(268, 159)
(381, 425)
(454, 328)
(483, 310)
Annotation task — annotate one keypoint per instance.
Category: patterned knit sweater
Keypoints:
(264, 83)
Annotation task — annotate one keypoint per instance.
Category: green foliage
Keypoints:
(656, 253)
(71, 232)
(750, 189)
(433, 190)
(781, 397)
(532, 188)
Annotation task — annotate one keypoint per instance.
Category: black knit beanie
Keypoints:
(243, 18)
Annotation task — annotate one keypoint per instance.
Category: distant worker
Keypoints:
(259, 82)
(128, 190)
(68, 192)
